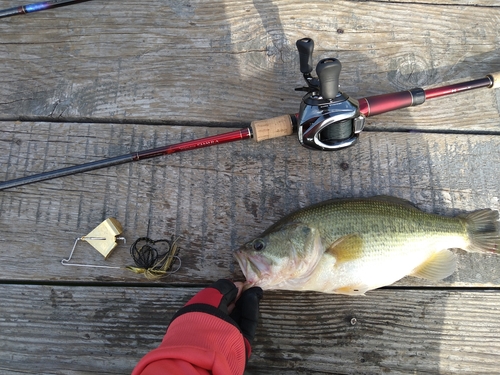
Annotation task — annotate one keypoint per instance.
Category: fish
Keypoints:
(351, 246)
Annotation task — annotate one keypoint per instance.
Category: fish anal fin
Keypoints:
(439, 266)
(349, 247)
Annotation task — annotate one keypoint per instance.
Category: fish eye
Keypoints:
(259, 245)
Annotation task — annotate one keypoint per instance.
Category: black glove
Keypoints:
(246, 312)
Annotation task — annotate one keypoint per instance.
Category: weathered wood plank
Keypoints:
(86, 330)
(478, 3)
(228, 62)
(183, 61)
(219, 197)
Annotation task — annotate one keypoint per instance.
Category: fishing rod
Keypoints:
(35, 7)
(328, 119)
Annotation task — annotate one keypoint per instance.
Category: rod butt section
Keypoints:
(495, 77)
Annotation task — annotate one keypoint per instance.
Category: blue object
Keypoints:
(35, 7)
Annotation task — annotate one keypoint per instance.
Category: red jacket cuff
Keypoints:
(203, 340)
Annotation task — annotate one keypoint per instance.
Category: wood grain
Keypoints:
(86, 330)
(100, 79)
(181, 61)
(217, 198)
(444, 3)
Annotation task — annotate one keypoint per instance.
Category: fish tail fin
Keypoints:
(484, 230)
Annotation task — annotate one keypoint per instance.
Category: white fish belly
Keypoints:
(377, 267)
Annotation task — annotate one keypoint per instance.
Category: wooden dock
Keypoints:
(100, 79)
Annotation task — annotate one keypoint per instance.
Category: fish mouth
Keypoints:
(253, 267)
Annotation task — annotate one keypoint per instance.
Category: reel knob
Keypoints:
(328, 71)
(305, 46)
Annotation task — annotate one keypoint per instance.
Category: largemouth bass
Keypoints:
(350, 246)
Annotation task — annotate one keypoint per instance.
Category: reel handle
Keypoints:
(328, 71)
(305, 46)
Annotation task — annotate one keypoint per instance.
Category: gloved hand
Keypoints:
(217, 300)
(246, 312)
(212, 334)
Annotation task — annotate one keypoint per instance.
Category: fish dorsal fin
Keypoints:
(349, 247)
(394, 200)
(440, 265)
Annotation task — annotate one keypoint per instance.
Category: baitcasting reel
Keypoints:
(328, 118)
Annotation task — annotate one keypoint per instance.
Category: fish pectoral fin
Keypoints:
(439, 266)
(349, 247)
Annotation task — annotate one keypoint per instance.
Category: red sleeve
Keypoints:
(197, 343)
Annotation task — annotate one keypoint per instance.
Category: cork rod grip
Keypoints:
(272, 128)
(496, 80)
